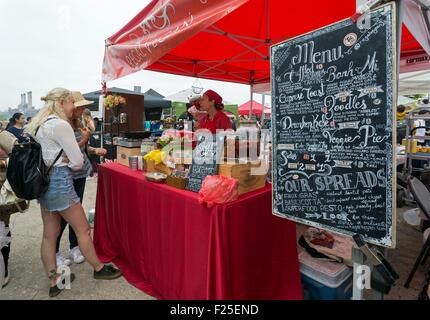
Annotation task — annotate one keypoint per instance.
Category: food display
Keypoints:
(156, 177)
(169, 159)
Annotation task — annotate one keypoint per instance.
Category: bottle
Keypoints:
(91, 214)
(147, 125)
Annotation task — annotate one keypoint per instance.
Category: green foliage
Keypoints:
(416, 96)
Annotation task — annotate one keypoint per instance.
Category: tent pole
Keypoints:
(262, 111)
(102, 115)
(250, 106)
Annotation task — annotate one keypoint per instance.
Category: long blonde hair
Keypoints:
(52, 106)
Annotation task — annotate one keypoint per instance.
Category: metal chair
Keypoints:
(422, 198)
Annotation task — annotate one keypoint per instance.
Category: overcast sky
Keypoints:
(60, 43)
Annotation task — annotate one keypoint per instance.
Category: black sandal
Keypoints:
(55, 291)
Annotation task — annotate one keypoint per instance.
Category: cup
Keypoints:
(133, 162)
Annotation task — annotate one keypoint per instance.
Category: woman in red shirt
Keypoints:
(211, 102)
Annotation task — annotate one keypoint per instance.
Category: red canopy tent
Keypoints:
(224, 40)
(228, 40)
(257, 109)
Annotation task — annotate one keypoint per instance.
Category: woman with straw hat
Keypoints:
(82, 135)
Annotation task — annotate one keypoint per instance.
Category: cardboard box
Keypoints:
(242, 172)
(122, 154)
(175, 182)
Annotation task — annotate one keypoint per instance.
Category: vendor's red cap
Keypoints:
(213, 96)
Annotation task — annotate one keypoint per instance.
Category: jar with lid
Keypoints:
(147, 146)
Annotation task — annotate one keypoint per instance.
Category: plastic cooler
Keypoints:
(324, 280)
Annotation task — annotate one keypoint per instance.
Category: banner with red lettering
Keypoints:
(415, 63)
(158, 29)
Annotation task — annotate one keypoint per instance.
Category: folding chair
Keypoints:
(422, 198)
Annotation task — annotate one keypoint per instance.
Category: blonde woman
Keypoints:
(82, 135)
(51, 128)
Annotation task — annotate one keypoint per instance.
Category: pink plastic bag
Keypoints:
(218, 190)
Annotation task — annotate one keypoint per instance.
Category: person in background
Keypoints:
(211, 102)
(16, 126)
(401, 113)
(195, 111)
(56, 137)
(401, 123)
(27, 123)
(95, 141)
(420, 127)
(82, 135)
(87, 119)
(7, 141)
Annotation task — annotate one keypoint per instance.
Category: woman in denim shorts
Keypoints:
(52, 129)
(82, 135)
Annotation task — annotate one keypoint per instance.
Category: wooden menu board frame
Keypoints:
(292, 160)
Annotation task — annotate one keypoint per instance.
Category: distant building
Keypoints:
(25, 107)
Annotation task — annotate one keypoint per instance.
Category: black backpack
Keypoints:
(26, 172)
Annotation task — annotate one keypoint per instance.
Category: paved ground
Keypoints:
(29, 282)
(409, 244)
(28, 279)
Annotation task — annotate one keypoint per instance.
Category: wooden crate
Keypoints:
(175, 182)
(242, 172)
(122, 154)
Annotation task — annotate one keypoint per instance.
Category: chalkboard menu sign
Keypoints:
(204, 162)
(333, 93)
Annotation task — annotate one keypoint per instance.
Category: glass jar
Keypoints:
(147, 146)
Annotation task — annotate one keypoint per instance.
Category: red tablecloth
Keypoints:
(171, 247)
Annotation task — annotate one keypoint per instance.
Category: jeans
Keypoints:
(61, 194)
(79, 185)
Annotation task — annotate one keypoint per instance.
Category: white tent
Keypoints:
(405, 100)
(185, 95)
(182, 96)
(414, 82)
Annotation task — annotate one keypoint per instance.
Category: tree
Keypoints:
(416, 97)
(3, 117)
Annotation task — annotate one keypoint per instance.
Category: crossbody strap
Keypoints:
(56, 159)
(58, 155)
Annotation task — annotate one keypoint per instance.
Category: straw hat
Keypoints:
(80, 101)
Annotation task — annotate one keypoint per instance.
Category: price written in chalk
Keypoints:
(333, 101)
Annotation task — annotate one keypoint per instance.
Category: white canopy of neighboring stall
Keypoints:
(414, 82)
(405, 100)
